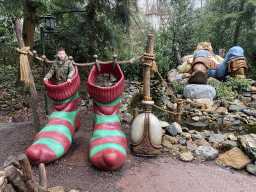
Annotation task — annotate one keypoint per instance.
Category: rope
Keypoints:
(172, 113)
(170, 91)
(26, 50)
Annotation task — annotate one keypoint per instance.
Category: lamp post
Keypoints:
(48, 28)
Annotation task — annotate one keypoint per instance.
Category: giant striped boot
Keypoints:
(107, 149)
(55, 138)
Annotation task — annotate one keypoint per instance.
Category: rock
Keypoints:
(216, 138)
(187, 156)
(222, 110)
(73, 190)
(195, 91)
(254, 96)
(201, 142)
(4, 105)
(234, 108)
(170, 139)
(164, 124)
(18, 106)
(196, 136)
(127, 117)
(231, 137)
(186, 75)
(248, 144)
(174, 150)
(173, 129)
(237, 122)
(248, 112)
(246, 99)
(191, 145)
(182, 141)
(206, 134)
(185, 135)
(233, 158)
(177, 78)
(251, 168)
(229, 144)
(252, 105)
(206, 152)
(177, 127)
(57, 189)
(196, 105)
(166, 144)
(196, 118)
(89, 103)
(81, 103)
(206, 102)
(18, 118)
(163, 132)
(185, 129)
(197, 124)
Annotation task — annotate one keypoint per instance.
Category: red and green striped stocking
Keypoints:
(107, 149)
(55, 138)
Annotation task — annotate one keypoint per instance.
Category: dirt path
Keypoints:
(162, 173)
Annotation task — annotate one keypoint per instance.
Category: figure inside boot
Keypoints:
(55, 138)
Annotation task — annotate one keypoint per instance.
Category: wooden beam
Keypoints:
(33, 92)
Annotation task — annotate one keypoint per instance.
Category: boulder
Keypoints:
(182, 141)
(206, 152)
(187, 156)
(173, 129)
(229, 144)
(222, 110)
(196, 135)
(251, 168)
(233, 158)
(191, 145)
(170, 139)
(164, 124)
(216, 138)
(248, 144)
(205, 101)
(195, 91)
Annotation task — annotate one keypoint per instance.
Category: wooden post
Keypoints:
(177, 49)
(146, 72)
(222, 52)
(42, 175)
(34, 100)
(178, 116)
(25, 166)
(135, 113)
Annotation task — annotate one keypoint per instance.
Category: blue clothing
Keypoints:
(222, 71)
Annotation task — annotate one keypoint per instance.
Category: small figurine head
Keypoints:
(204, 46)
(61, 54)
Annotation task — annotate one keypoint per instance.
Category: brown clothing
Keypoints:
(62, 71)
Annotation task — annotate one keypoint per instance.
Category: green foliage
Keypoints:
(222, 90)
(238, 84)
(178, 88)
(231, 87)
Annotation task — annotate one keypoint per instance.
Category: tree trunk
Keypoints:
(29, 27)
(33, 100)
(238, 25)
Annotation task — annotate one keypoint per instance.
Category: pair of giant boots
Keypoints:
(107, 149)
(234, 65)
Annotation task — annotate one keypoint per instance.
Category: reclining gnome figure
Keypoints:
(204, 63)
